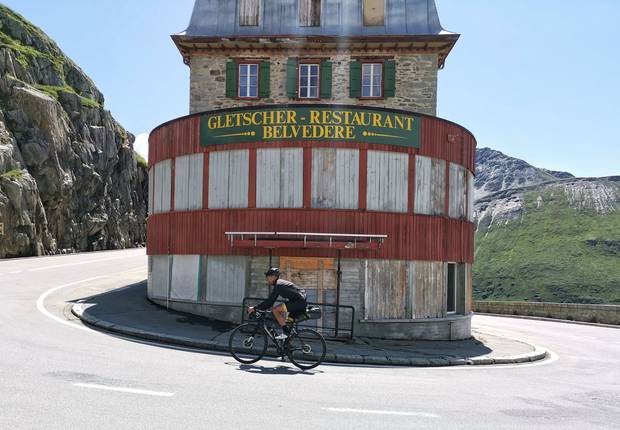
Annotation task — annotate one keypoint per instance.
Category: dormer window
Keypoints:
(374, 12)
(249, 12)
(309, 13)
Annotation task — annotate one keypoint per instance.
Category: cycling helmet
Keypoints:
(273, 271)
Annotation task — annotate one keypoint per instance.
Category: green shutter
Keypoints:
(355, 79)
(265, 80)
(231, 79)
(389, 82)
(291, 78)
(326, 79)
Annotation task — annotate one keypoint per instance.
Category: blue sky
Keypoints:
(535, 79)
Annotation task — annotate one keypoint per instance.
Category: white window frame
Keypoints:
(371, 94)
(247, 84)
(308, 67)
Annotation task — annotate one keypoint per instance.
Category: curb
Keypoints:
(538, 354)
(533, 317)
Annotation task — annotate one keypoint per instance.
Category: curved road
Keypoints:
(56, 373)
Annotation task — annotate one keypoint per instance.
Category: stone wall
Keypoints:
(605, 314)
(416, 83)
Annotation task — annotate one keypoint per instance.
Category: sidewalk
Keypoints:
(127, 311)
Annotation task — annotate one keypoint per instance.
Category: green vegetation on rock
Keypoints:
(12, 174)
(553, 253)
(141, 161)
(54, 92)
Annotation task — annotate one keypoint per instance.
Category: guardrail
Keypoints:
(603, 314)
(332, 325)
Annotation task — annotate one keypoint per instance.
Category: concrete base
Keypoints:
(227, 313)
(456, 327)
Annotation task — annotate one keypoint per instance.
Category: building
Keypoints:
(313, 145)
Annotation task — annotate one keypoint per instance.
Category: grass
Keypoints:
(141, 160)
(554, 253)
(55, 90)
(12, 174)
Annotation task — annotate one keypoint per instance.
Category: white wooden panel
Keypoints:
(291, 178)
(162, 189)
(457, 191)
(226, 279)
(196, 181)
(184, 283)
(238, 180)
(268, 178)
(218, 179)
(422, 185)
(347, 178)
(438, 186)
(160, 276)
(387, 181)
(411, 286)
(324, 178)
(181, 181)
(151, 190)
(470, 196)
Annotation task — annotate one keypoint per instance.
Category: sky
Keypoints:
(535, 79)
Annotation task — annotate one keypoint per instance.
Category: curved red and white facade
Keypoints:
(416, 285)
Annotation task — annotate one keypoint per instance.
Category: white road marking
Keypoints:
(124, 390)
(15, 273)
(81, 262)
(373, 412)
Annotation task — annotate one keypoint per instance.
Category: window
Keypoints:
(309, 81)
(310, 13)
(372, 80)
(374, 12)
(451, 287)
(248, 80)
(249, 10)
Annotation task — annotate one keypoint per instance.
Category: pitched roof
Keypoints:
(339, 18)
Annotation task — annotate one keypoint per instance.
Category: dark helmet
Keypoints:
(273, 271)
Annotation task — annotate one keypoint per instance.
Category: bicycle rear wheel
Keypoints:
(306, 349)
(248, 343)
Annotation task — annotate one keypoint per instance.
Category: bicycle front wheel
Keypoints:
(306, 349)
(248, 343)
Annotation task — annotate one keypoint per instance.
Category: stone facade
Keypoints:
(416, 82)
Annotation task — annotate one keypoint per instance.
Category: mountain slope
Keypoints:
(68, 174)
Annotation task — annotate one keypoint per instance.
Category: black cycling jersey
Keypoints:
(284, 289)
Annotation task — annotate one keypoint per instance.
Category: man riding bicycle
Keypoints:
(295, 306)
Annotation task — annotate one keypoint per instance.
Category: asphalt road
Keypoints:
(58, 374)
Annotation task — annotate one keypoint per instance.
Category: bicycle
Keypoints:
(304, 347)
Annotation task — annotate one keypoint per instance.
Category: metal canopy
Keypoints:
(272, 240)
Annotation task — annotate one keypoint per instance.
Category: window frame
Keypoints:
(248, 62)
(300, 63)
(372, 61)
(299, 15)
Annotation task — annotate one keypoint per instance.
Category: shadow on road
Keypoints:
(278, 370)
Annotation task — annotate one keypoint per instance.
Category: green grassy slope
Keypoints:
(554, 253)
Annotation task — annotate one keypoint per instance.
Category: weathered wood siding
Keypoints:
(430, 187)
(249, 12)
(470, 196)
(163, 185)
(151, 190)
(458, 188)
(335, 178)
(228, 179)
(373, 12)
(309, 13)
(185, 283)
(160, 276)
(257, 286)
(279, 178)
(430, 289)
(387, 181)
(226, 279)
(469, 286)
(386, 289)
(188, 180)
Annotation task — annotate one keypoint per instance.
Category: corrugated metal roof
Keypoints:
(220, 18)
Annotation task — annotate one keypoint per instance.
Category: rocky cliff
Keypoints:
(69, 178)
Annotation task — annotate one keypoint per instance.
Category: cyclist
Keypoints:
(295, 306)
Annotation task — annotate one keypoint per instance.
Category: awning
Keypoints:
(271, 240)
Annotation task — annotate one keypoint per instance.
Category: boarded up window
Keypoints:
(470, 197)
(430, 289)
(151, 189)
(335, 178)
(188, 171)
(458, 188)
(228, 179)
(430, 186)
(226, 279)
(249, 11)
(184, 280)
(160, 277)
(386, 289)
(310, 13)
(387, 181)
(279, 178)
(162, 186)
(374, 12)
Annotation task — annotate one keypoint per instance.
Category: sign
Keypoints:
(310, 122)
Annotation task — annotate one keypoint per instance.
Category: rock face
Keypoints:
(69, 178)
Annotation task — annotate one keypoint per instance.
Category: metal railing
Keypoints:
(332, 324)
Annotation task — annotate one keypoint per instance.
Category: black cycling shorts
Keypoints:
(296, 308)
